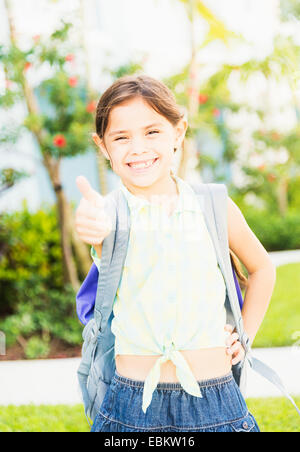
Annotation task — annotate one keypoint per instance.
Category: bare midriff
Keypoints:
(205, 364)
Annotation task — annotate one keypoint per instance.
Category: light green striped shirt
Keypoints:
(172, 292)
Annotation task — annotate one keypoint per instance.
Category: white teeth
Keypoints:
(142, 165)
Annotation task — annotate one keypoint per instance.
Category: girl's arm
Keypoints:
(261, 271)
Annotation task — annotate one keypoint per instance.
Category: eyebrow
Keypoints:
(115, 132)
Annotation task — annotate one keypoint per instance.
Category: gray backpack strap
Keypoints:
(213, 200)
(218, 196)
(113, 255)
(114, 251)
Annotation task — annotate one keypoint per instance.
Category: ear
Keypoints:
(100, 144)
(180, 131)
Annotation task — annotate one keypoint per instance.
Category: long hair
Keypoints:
(242, 278)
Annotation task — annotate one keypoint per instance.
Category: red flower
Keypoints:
(261, 167)
(203, 98)
(59, 141)
(73, 81)
(216, 112)
(70, 57)
(91, 106)
(36, 38)
(27, 66)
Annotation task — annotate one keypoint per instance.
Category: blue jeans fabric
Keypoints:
(221, 409)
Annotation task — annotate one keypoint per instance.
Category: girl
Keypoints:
(172, 351)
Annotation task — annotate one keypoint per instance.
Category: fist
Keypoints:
(91, 221)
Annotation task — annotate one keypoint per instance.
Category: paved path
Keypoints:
(55, 382)
(285, 257)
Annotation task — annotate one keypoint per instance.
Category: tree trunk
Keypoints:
(80, 248)
(70, 272)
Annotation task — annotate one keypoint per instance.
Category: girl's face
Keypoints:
(137, 133)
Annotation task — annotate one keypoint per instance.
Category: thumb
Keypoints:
(89, 193)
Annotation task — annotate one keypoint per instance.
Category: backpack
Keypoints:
(97, 365)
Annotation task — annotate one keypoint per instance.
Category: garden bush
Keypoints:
(35, 305)
(274, 231)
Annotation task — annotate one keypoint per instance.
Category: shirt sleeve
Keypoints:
(96, 259)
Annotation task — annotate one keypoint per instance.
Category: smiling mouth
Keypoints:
(142, 167)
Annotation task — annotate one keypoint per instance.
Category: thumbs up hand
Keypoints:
(91, 221)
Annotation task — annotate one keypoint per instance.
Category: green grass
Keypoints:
(283, 316)
(275, 414)
(30, 418)
(272, 415)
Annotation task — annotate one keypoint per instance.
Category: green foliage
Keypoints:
(294, 195)
(68, 116)
(9, 177)
(282, 320)
(129, 68)
(290, 9)
(62, 33)
(275, 232)
(34, 304)
(37, 348)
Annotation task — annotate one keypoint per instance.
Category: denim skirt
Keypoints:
(222, 408)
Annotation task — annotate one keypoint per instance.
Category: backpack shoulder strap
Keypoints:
(218, 196)
(104, 290)
(112, 259)
(213, 199)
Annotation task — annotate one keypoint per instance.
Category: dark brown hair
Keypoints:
(153, 91)
(242, 278)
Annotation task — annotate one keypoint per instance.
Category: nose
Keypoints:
(139, 145)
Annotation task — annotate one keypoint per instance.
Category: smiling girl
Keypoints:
(173, 354)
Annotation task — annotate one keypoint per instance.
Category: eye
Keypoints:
(153, 131)
(120, 138)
